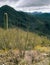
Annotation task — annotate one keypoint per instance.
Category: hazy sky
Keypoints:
(28, 5)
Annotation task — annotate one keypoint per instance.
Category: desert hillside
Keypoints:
(24, 37)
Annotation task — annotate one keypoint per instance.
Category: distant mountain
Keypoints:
(33, 13)
(33, 22)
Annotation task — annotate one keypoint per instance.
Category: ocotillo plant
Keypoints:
(6, 21)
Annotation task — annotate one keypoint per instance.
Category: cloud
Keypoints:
(26, 3)
(13, 0)
(29, 3)
(33, 9)
(9, 0)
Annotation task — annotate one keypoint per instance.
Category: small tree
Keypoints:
(6, 21)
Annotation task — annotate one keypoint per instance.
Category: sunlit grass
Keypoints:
(18, 39)
(42, 49)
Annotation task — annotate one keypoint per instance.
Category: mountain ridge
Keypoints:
(32, 22)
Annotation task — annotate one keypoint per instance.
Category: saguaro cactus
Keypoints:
(5, 20)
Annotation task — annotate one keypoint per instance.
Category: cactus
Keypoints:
(6, 21)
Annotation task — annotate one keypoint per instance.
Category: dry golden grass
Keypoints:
(42, 49)
(17, 38)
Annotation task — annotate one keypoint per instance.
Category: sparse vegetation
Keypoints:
(16, 38)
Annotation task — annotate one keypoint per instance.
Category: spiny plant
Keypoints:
(6, 21)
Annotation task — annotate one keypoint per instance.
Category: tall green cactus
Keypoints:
(6, 21)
